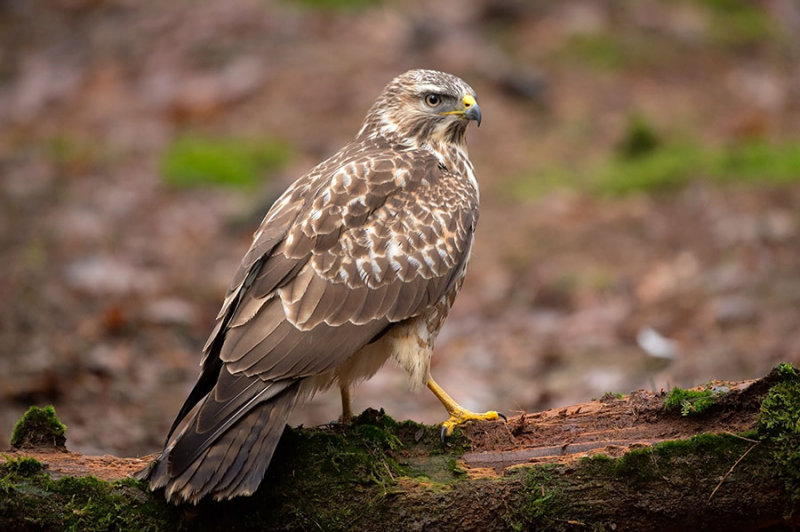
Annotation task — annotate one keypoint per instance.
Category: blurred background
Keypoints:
(639, 164)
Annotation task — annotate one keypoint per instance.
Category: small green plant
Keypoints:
(39, 427)
(691, 402)
(611, 396)
(779, 422)
(193, 160)
(640, 138)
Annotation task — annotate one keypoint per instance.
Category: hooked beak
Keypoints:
(470, 110)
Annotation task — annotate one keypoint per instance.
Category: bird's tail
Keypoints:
(232, 465)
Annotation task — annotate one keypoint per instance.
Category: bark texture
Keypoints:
(618, 463)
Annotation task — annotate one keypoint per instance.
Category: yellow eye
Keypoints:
(433, 100)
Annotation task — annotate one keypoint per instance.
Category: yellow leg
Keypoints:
(347, 411)
(458, 414)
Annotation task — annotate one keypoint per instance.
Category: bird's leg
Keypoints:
(458, 414)
(347, 411)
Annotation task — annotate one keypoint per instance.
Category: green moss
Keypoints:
(39, 427)
(779, 423)
(691, 402)
(24, 466)
(786, 371)
(602, 51)
(738, 23)
(755, 161)
(339, 4)
(347, 477)
(77, 503)
(640, 138)
(674, 165)
(651, 463)
(193, 160)
(668, 165)
(611, 396)
(542, 502)
(344, 475)
(14, 468)
(617, 49)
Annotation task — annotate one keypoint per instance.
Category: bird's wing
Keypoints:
(366, 239)
(377, 239)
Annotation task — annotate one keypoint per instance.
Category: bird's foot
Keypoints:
(459, 416)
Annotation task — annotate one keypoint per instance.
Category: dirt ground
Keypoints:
(112, 276)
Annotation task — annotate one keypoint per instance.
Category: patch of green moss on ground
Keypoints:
(340, 476)
(779, 423)
(192, 160)
(642, 474)
(39, 427)
(32, 500)
(542, 504)
(332, 478)
(663, 460)
(738, 23)
(669, 164)
(691, 402)
(674, 164)
(640, 137)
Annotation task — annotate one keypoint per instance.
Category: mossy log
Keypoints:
(617, 463)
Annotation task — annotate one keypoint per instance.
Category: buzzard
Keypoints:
(357, 262)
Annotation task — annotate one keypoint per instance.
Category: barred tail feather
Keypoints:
(234, 464)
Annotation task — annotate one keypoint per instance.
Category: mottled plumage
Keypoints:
(358, 261)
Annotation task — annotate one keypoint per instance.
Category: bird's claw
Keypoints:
(462, 416)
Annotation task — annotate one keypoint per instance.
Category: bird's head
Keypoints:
(423, 107)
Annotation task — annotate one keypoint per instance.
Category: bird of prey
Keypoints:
(357, 262)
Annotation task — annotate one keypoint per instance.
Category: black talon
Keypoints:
(503, 416)
(443, 437)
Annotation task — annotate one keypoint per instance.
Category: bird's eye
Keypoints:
(433, 100)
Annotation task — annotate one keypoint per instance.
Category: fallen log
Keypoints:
(722, 456)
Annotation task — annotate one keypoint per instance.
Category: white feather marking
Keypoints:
(427, 258)
(393, 250)
(362, 272)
